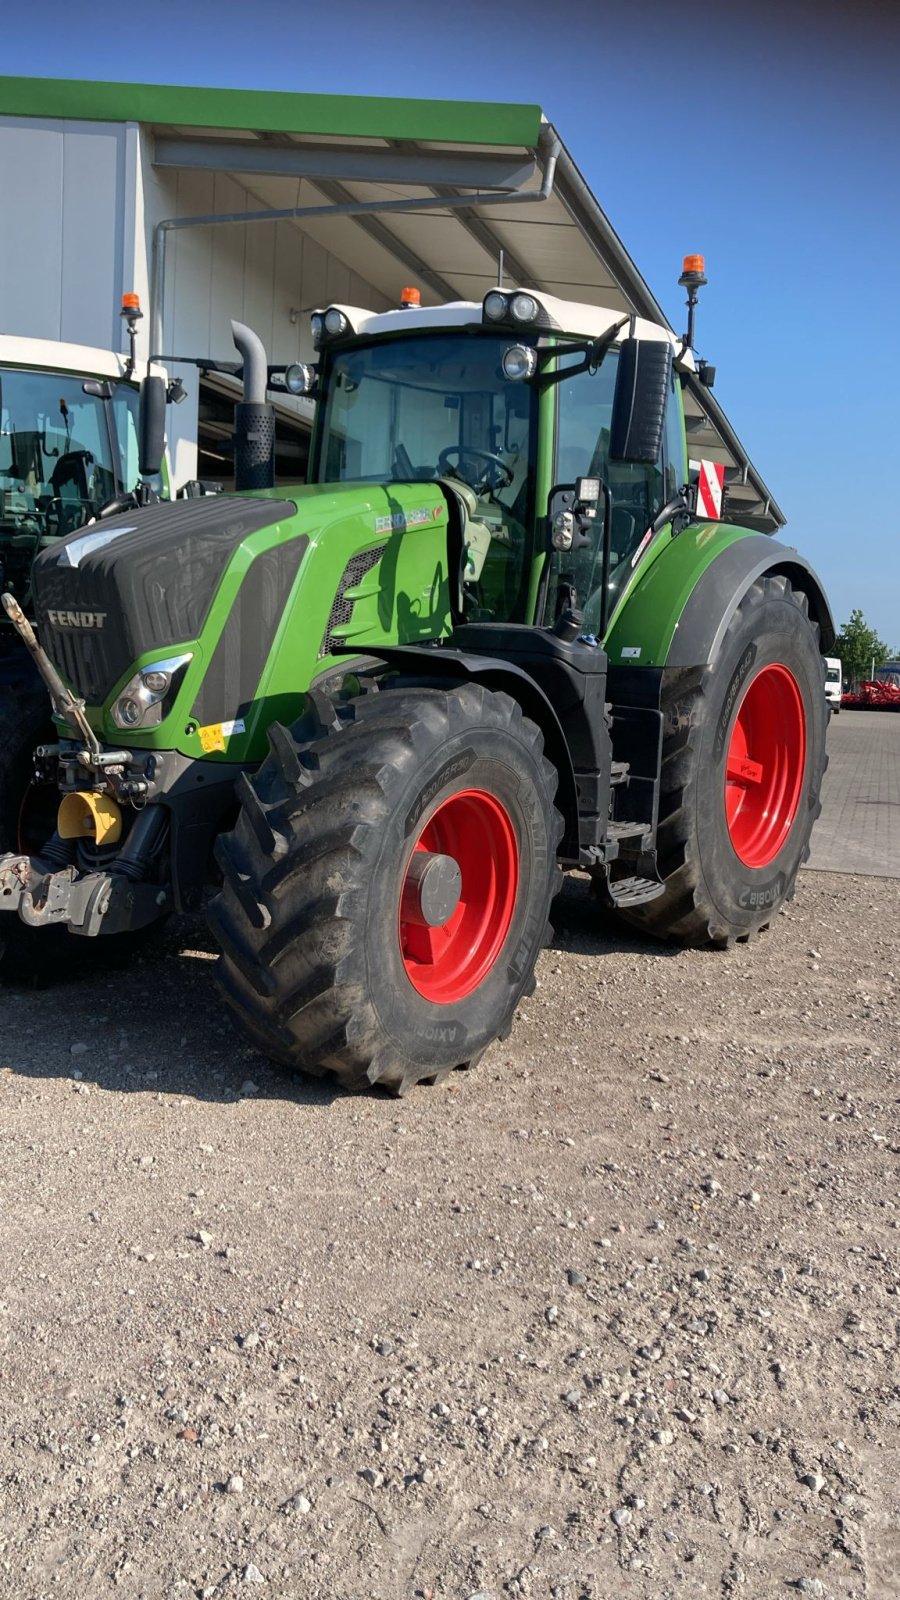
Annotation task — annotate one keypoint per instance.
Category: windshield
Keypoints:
(428, 407)
(58, 463)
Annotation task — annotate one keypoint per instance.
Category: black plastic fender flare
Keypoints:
(720, 590)
(446, 662)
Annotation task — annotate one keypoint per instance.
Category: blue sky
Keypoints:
(766, 136)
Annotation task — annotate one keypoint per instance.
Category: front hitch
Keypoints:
(48, 899)
(116, 900)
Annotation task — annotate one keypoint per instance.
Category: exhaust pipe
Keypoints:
(254, 419)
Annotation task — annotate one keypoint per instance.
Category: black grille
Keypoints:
(342, 607)
(232, 677)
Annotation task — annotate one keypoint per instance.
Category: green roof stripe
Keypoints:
(365, 116)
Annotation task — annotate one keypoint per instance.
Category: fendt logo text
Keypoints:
(76, 619)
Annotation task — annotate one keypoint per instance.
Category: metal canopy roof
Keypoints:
(485, 163)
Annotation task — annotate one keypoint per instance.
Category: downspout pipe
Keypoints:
(355, 208)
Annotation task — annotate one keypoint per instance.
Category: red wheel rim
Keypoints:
(765, 764)
(446, 963)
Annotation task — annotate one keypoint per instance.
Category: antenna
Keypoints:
(500, 271)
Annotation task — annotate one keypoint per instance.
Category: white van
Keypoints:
(833, 671)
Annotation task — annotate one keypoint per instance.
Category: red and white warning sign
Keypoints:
(709, 489)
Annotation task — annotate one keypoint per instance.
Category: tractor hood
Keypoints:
(257, 593)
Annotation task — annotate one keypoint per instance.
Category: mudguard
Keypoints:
(676, 611)
(447, 662)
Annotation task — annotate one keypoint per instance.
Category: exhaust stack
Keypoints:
(254, 419)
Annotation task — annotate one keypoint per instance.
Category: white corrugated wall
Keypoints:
(79, 202)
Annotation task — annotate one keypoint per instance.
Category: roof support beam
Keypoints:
(365, 164)
(475, 226)
(378, 230)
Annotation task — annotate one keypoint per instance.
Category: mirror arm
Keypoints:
(604, 569)
(680, 509)
(594, 352)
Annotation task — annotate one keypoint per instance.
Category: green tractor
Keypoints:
(365, 722)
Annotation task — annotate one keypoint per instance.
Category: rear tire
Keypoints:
(322, 969)
(730, 848)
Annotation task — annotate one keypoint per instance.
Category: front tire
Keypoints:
(743, 760)
(27, 813)
(335, 957)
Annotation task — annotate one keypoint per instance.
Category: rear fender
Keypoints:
(678, 609)
(705, 619)
(505, 677)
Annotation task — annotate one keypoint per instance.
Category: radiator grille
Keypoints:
(342, 606)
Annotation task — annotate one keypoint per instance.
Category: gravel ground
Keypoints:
(617, 1314)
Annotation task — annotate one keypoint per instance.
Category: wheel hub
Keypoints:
(431, 891)
(458, 896)
(765, 765)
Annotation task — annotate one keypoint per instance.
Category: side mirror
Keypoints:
(643, 379)
(152, 440)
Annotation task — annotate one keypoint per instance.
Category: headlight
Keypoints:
(299, 378)
(317, 328)
(147, 696)
(523, 307)
(519, 362)
(495, 306)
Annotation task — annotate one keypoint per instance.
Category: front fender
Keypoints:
(506, 676)
(676, 612)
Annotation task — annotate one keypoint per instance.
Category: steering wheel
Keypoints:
(497, 477)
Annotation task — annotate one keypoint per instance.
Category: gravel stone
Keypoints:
(352, 1219)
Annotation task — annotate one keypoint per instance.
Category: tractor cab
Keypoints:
(508, 404)
(68, 445)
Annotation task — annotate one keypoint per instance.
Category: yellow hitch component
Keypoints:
(86, 816)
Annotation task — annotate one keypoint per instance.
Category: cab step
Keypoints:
(624, 893)
(631, 837)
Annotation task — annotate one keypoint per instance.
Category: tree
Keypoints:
(858, 646)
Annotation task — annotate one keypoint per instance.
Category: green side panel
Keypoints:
(397, 592)
(363, 116)
(644, 621)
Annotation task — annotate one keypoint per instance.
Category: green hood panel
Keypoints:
(359, 565)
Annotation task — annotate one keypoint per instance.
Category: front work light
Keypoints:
(523, 307)
(148, 696)
(317, 327)
(299, 378)
(519, 362)
(495, 306)
(336, 323)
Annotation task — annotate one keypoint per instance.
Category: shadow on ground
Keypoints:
(156, 1025)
